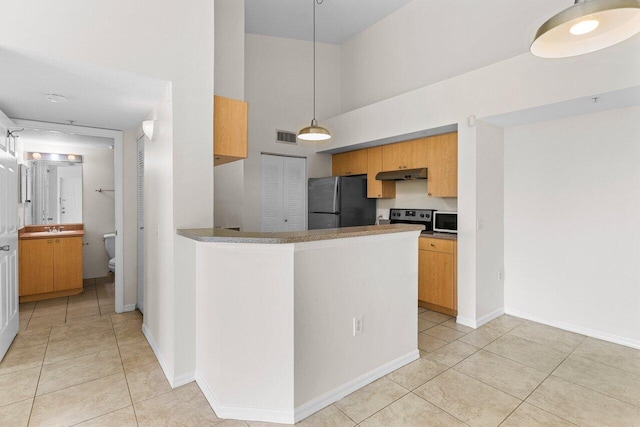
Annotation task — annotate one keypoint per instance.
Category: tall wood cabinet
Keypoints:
(377, 189)
(442, 169)
(437, 281)
(229, 130)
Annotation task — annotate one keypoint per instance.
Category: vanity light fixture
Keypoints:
(148, 128)
(587, 26)
(53, 157)
(314, 132)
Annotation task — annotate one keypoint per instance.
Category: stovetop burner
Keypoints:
(412, 216)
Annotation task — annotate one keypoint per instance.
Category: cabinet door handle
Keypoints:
(433, 245)
(48, 241)
(57, 241)
(5, 248)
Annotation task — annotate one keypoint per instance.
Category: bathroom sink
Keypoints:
(53, 233)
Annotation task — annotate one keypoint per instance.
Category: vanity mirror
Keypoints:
(56, 193)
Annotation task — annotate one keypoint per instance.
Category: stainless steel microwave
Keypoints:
(446, 222)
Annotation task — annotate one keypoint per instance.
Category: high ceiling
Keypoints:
(336, 20)
(95, 96)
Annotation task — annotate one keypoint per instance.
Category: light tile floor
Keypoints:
(76, 362)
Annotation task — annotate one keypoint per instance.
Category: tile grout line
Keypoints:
(33, 402)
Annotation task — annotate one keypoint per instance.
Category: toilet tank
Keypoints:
(110, 244)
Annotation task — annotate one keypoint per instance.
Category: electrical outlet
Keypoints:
(357, 325)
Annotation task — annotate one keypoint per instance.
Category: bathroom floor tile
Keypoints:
(452, 353)
(365, 402)
(21, 358)
(16, 414)
(329, 416)
(40, 322)
(182, 406)
(78, 370)
(121, 418)
(75, 313)
(511, 377)
(83, 343)
(128, 331)
(468, 399)
(411, 411)
(506, 321)
(146, 382)
(530, 416)
(434, 316)
(416, 373)
(18, 385)
(534, 355)
(583, 406)
(32, 337)
(423, 325)
(82, 402)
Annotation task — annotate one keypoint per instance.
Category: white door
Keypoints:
(283, 193)
(8, 242)
(69, 195)
(141, 225)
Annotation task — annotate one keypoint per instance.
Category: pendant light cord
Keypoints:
(314, 60)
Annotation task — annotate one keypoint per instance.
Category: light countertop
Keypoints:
(232, 236)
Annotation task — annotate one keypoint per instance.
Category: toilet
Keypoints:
(110, 246)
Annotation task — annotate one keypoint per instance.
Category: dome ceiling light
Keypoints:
(587, 26)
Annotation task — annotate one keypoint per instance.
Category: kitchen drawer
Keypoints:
(436, 245)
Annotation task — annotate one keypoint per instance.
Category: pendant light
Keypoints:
(314, 132)
(587, 26)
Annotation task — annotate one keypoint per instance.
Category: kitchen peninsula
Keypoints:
(288, 323)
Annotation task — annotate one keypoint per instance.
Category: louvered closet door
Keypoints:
(283, 193)
(141, 225)
(8, 242)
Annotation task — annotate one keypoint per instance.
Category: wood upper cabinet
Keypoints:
(229, 130)
(350, 163)
(437, 281)
(442, 154)
(50, 267)
(405, 155)
(377, 189)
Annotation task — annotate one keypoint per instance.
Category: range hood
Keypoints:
(402, 175)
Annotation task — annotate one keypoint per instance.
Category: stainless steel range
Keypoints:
(412, 216)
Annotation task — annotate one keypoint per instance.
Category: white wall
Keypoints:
(279, 90)
(413, 195)
(129, 270)
(490, 221)
(428, 41)
(98, 209)
(229, 82)
(572, 240)
(172, 41)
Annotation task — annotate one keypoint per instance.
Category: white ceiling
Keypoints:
(55, 138)
(96, 96)
(336, 20)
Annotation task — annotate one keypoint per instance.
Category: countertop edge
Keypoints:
(217, 235)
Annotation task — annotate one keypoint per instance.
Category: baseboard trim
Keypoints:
(129, 307)
(616, 339)
(308, 408)
(465, 321)
(174, 381)
(322, 401)
(489, 317)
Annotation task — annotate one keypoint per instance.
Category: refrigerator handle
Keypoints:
(335, 193)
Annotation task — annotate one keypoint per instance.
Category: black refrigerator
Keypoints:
(340, 201)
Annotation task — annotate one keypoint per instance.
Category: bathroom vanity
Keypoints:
(50, 261)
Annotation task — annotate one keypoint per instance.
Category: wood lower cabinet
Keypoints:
(50, 267)
(229, 130)
(350, 163)
(377, 189)
(437, 281)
